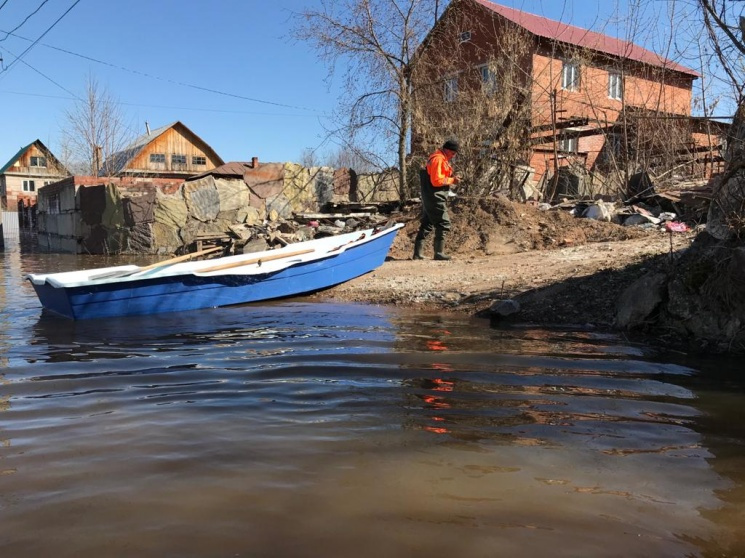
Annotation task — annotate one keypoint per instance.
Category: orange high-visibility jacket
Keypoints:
(439, 170)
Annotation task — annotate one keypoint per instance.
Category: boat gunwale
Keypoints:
(188, 268)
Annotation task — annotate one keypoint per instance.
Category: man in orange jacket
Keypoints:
(436, 180)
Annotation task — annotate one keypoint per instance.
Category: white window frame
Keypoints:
(569, 144)
(38, 161)
(489, 84)
(615, 85)
(29, 186)
(464, 36)
(450, 91)
(571, 77)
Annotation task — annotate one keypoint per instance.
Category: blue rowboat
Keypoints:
(175, 286)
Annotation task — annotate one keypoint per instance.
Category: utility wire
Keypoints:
(12, 64)
(17, 59)
(3, 4)
(172, 107)
(175, 82)
(25, 20)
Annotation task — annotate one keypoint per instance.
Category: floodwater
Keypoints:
(313, 429)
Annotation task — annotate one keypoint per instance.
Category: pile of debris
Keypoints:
(649, 210)
(335, 218)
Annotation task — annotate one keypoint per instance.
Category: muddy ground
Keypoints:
(563, 270)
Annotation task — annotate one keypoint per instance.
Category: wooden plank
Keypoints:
(257, 260)
(186, 257)
(331, 215)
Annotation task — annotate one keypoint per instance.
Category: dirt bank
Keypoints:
(562, 269)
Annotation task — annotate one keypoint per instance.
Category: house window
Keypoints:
(465, 36)
(157, 158)
(29, 186)
(178, 159)
(570, 78)
(568, 144)
(451, 89)
(488, 80)
(615, 86)
(198, 161)
(38, 161)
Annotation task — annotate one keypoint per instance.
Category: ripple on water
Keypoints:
(280, 428)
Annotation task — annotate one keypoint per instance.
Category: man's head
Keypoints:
(452, 146)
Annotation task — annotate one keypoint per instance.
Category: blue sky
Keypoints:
(275, 96)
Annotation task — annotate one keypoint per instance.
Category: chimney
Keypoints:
(147, 128)
(254, 162)
(97, 155)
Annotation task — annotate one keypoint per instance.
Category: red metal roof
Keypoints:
(558, 31)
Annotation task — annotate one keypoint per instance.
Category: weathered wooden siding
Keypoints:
(173, 142)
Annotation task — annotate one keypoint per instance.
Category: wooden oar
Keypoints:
(185, 257)
(256, 260)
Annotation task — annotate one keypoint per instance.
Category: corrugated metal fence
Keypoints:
(11, 233)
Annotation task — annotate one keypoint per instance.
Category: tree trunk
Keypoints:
(726, 218)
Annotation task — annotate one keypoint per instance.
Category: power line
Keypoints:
(173, 107)
(6, 70)
(17, 59)
(25, 20)
(3, 4)
(167, 80)
(37, 95)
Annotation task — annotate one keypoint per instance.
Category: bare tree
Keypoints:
(726, 31)
(376, 43)
(94, 129)
(478, 92)
(309, 158)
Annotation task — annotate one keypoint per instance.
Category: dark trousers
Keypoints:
(435, 214)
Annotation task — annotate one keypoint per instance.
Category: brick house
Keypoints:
(548, 95)
(32, 167)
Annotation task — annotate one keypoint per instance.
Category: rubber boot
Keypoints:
(419, 246)
(440, 248)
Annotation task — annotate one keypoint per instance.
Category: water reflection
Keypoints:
(299, 429)
(353, 328)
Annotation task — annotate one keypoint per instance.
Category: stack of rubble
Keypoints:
(648, 208)
(276, 231)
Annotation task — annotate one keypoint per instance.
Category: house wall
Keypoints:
(12, 189)
(172, 142)
(643, 87)
(491, 41)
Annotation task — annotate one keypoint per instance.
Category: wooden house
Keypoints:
(32, 167)
(172, 151)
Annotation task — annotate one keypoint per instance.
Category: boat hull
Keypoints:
(179, 293)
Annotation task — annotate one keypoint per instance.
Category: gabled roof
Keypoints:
(119, 160)
(43, 148)
(584, 38)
